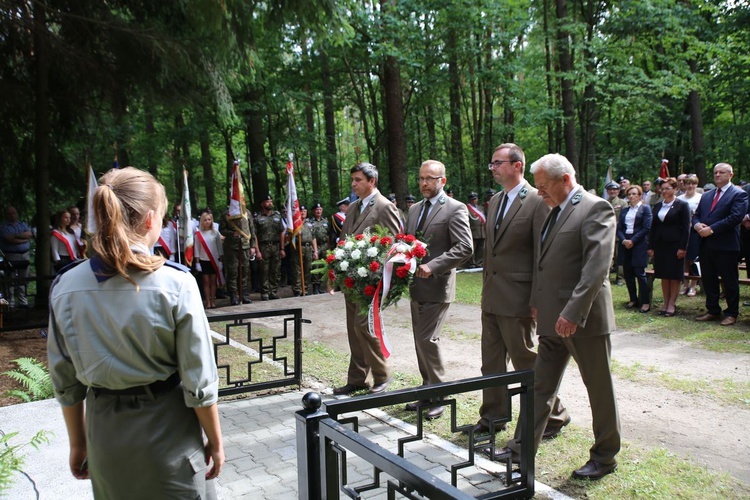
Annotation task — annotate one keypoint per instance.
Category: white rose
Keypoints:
(362, 272)
(361, 243)
(348, 245)
(344, 266)
(339, 254)
(356, 254)
(372, 252)
(402, 248)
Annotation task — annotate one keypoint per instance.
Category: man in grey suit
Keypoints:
(443, 223)
(572, 302)
(367, 364)
(514, 223)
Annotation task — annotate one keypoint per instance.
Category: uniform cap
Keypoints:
(267, 198)
(345, 201)
(473, 196)
(316, 205)
(392, 197)
(410, 197)
(612, 185)
(490, 192)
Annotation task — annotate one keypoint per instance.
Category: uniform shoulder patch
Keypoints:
(177, 266)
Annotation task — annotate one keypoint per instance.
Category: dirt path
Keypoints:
(688, 424)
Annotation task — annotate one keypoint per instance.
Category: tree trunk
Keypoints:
(394, 117)
(696, 122)
(454, 94)
(41, 152)
(151, 153)
(568, 96)
(332, 166)
(209, 182)
(255, 137)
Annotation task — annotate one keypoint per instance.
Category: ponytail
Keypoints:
(121, 203)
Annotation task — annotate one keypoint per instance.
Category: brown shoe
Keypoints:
(553, 432)
(379, 387)
(707, 317)
(728, 321)
(348, 389)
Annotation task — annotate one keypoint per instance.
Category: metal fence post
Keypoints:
(308, 447)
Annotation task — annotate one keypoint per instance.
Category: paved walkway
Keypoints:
(260, 442)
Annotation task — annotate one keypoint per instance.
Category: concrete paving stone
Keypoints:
(241, 487)
(287, 452)
(246, 464)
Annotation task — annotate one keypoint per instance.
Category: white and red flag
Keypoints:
(237, 206)
(186, 223)
(664, 172)
(90, 219)
(293, 216)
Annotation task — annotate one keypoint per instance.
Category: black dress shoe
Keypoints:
(502, 454)
(378, 388)
(480, 428)
(247, 300)
(348, 389)
(594, 470)
(233, 299)
(434, 413)
(553, 432)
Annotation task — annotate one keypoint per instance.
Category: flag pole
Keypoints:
(301, 261)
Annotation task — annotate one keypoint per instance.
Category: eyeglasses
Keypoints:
(427, 180)
(498, 163)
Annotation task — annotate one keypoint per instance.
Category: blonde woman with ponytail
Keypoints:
(128, 335)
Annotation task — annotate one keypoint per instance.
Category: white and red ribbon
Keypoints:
(71, 253)
(478, 214)
(214, 263)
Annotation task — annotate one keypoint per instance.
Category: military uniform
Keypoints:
(477, 234)
(306, 235)
(237, 256)
(268, 229)
(320, 230)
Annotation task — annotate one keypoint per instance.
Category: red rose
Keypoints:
(374, 266)
(402, 272)
(348, 282)
(331, 275)
(373, 239)
(409, 239)
(419, 251)
(386, 241)
(359, 237)
(400, 236)
(330, 258)
(369, 290)
(342, 243)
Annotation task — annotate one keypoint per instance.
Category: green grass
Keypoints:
(682, 326)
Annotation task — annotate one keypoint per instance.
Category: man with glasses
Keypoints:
(443, 223)
(514, 223)
(572, 302)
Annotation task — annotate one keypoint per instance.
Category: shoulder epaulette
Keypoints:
(177, 266)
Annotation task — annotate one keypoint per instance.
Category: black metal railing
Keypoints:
(272, 350)
(323, 441)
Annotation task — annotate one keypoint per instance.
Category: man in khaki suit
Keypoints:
(367, 364)
(443, 223)
(514, 222)
(572, 302)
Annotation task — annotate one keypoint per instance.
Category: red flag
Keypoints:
(664, 172)
(293, 216)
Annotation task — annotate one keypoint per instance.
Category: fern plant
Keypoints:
(11, 460)
(35, 378)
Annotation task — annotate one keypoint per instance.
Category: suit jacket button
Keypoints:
(540, 268)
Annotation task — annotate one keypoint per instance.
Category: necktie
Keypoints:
(716, 199)
(423, 215)
(501, 212)
(551, 223)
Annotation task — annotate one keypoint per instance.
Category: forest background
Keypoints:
(163, 85)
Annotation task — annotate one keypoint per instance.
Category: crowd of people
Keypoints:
(546, 252)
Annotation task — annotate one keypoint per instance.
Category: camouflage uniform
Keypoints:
(320, 231)
(268, 229)
(477, 234)
(307, 254)
(236, 253)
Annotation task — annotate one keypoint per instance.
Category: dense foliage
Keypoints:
(159, 85)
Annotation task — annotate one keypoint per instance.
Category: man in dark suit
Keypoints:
(716, 220)
(367, 363)
(514, 223)
(443, 223)
(572, 302)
